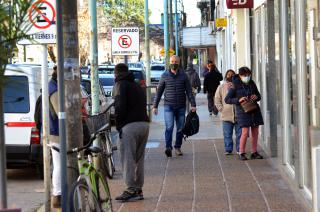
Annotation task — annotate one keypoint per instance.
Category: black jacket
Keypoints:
(130, 101)
(175, 88)
(212, 81)
(193, 77)
(238, 90)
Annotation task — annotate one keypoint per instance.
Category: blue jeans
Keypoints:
(171, 114)
(227, 134)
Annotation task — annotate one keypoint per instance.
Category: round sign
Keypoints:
(42, 21)
(124, 41)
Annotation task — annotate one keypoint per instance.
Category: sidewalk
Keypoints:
(204, 179)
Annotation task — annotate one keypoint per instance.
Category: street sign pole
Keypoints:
(61, 114)
(45, 127)
(147, 47)
(94, 57)
(3, 164)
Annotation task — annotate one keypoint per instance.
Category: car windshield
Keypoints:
(157, 68)
(16, 94)
(135, 65)
(107, 81)
(106, 70)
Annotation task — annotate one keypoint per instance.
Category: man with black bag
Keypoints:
(175, 85)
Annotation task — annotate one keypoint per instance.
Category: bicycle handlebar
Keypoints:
(92, 138)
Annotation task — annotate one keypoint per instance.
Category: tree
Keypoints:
(124, 13)
(13, 14)
(12, 28)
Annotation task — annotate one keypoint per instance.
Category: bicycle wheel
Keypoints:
(82, 199)
(107, 156)
(104, 195)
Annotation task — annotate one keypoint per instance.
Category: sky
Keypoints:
(190, 7)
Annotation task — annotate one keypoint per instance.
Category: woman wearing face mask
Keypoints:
(244, 89)
(227, 114)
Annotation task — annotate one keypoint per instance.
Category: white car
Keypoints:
(156, 72)
(107, 82)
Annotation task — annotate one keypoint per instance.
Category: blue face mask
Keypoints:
(246, 79)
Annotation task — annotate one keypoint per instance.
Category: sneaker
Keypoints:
(210, 113)
(178, 152)
(242, 156)
(256, 155)
(168, 152)
(228, 153)
(56, 201)
(130, 196)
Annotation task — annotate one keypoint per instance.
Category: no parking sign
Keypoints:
(125, 41)
(41, 23)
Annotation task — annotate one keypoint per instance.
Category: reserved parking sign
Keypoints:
(125, 41)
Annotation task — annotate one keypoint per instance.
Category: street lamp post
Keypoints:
(147, 47)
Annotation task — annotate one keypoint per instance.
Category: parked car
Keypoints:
(139, 76)
(104, 101)
(156, 72)
(107, 82)
(21, 90)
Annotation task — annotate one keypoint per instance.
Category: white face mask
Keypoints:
(246, 79)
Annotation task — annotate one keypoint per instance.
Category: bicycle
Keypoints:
(105, 161)
(91, 191)
(108, 165)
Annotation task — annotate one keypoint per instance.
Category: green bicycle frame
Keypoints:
(87, 169)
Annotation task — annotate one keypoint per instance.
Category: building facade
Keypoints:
(279, 40)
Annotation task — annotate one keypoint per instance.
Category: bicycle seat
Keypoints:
(95, 149)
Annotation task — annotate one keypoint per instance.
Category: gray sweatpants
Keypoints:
(132, 143)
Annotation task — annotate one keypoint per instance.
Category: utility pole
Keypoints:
(70, 129)
(166, 32)
(147, 47)
(94, 57)
(72, 85)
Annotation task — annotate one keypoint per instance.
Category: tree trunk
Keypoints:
(72, 85)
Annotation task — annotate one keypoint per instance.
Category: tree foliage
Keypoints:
(13, 14)
(124, 13)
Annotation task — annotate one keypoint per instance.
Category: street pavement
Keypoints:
(203, 179)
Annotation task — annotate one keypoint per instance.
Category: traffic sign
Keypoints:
(125, 41)
(41, 23)
(221, 22)
(171, 52)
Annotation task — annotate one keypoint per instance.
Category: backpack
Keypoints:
(191, 125)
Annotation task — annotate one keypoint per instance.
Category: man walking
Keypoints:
(194, 80)
(133, 127)
(175, 85)
(210, 84)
